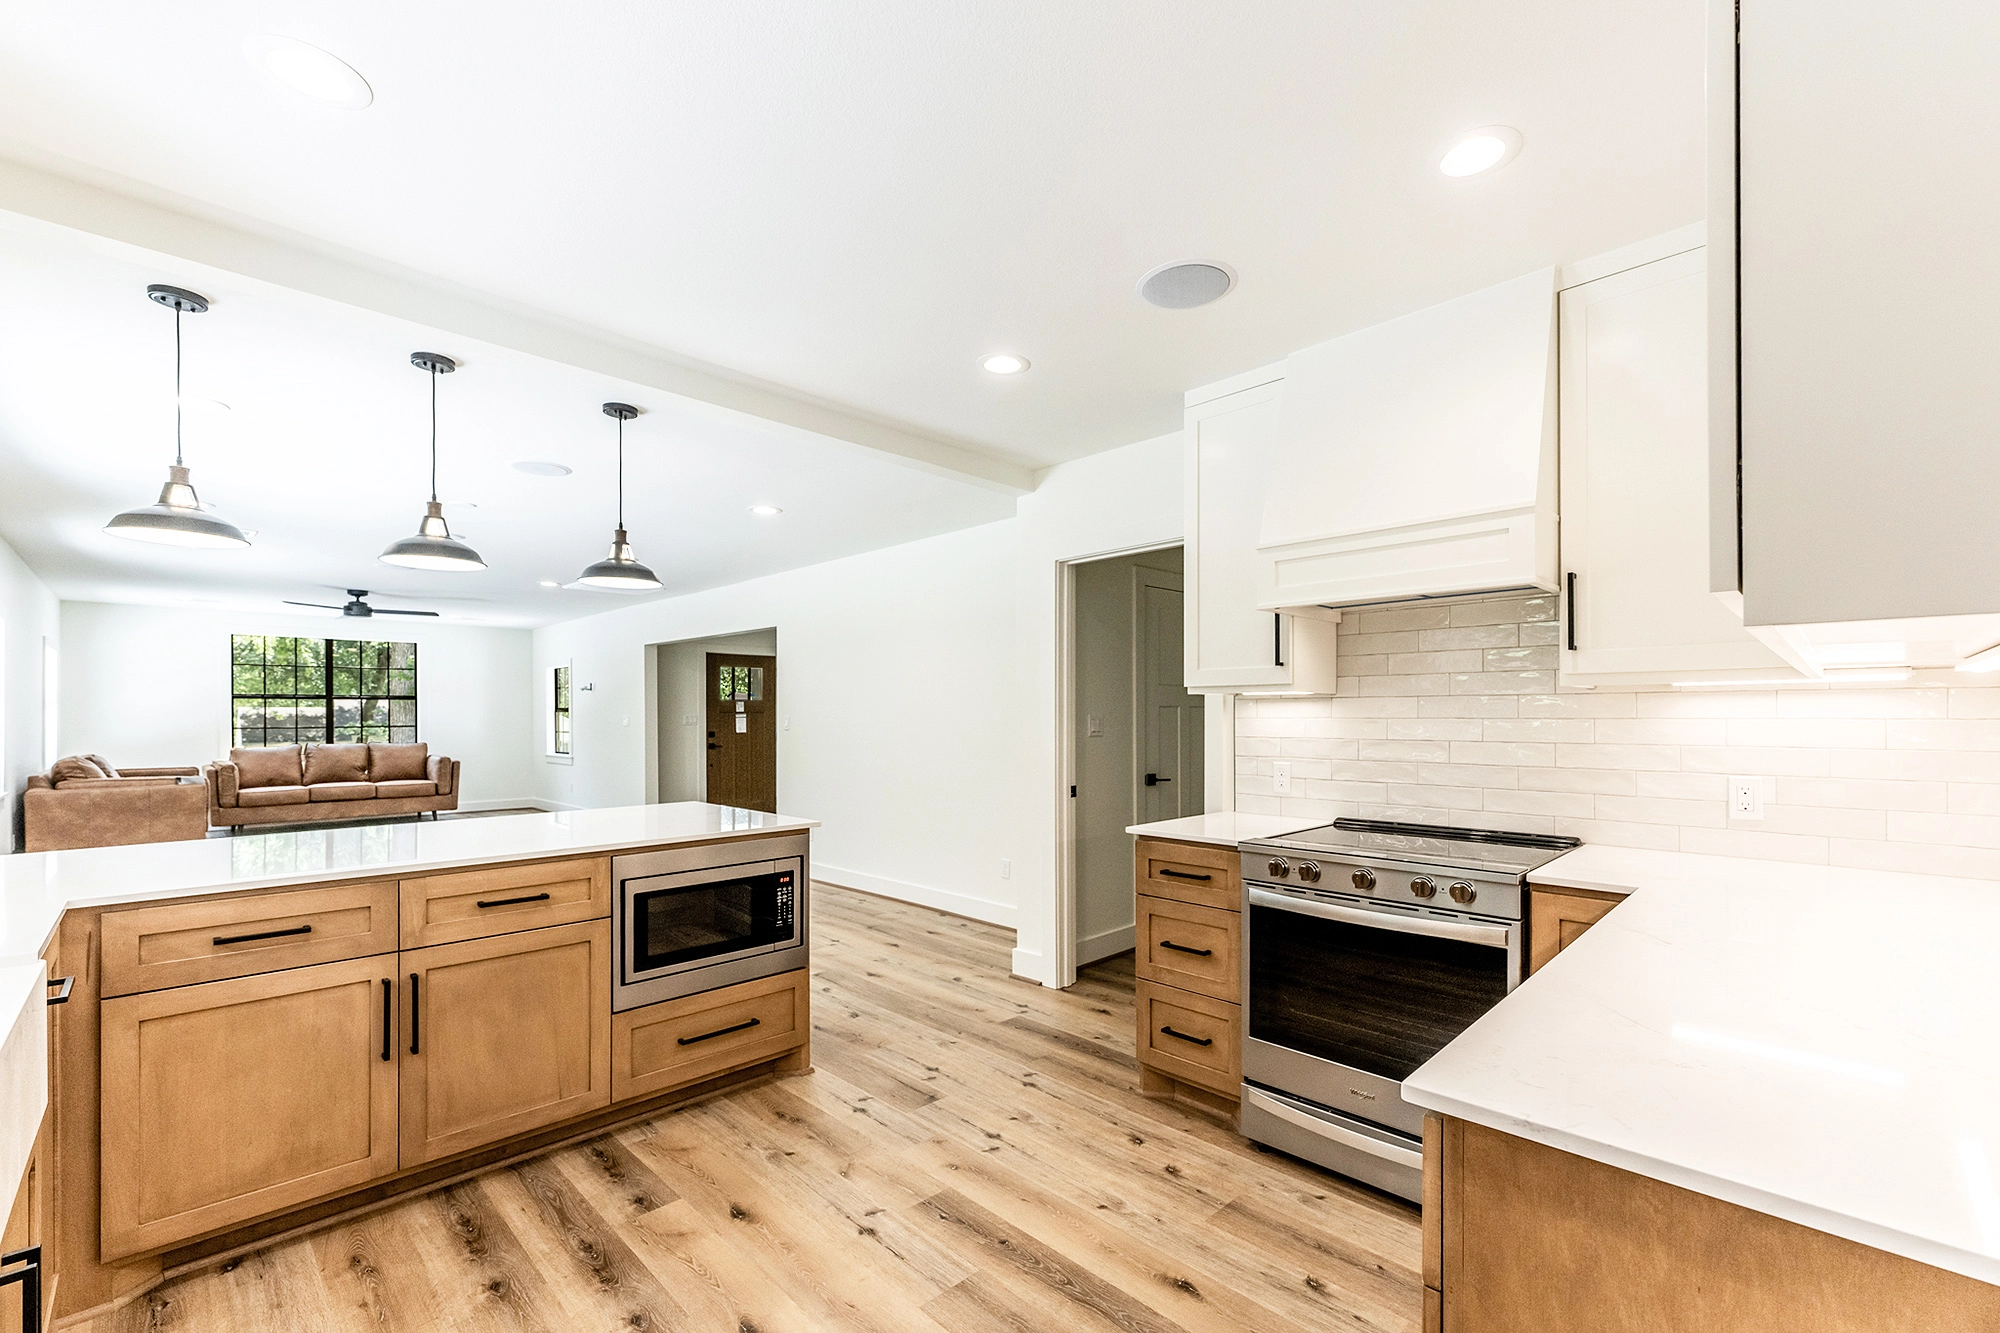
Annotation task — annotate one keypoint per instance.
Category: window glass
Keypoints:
(284, 690)
(560, 733)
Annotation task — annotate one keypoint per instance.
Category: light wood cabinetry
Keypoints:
(231, 1099)
(504, 1035)
(27, 1225)
(1195, 948)
(1189, 872)
(1191, 1037)
(181, 944)
(670, 1045)
(472, 904)
(1523, 1238)
(1557, 917)
(1189, 1016)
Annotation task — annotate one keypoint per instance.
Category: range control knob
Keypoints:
(1280, 867)
(1424, 886)
(1364, 880)
(1309, 871)
(1462, 892)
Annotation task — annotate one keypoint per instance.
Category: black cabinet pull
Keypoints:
(414, 1025)
(25, 1267)
(62, 987)
(264, 935)
(1182, 948)
(1277, 638)
(388, 1016)
(719, 1032)
(1182, 874)
(509, 902)
(1569, 605)
(1198, 1041)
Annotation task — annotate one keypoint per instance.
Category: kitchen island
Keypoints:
(265, 1033)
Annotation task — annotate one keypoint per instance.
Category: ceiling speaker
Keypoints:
(1182, 286)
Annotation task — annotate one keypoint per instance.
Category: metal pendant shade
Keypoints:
(620, 571)
(177, 518)
(433, 547)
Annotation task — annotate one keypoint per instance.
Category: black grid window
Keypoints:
(561, 729)
(286, 690)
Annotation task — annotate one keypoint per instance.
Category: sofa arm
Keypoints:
(222, 777)
(111, 784)
(188, 772)
(444, 772)
(111, 812)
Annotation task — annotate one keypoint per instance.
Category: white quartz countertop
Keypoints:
(38, 887)
(1811, 1042)
(1224, 828)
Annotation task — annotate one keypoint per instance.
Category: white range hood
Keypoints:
(1417, 458)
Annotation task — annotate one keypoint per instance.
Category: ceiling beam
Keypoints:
(130, 216)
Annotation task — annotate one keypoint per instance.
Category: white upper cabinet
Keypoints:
(1231, 644)
(1851, 154)
(1634, 454)
(1416, 458)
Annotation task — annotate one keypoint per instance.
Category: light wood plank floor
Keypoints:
(970, 1155)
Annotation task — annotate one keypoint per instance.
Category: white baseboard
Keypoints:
(944, 900)
(1027, 965)
(1090, 948)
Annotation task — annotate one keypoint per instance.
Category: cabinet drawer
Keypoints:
(180, 944)
(471, 904)
(669, 1045)
(1191, 1037)
(1195, 948)
(1188, 872)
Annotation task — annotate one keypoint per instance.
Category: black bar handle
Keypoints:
(1154, 779)
(1182, 874)
(509, 902)
(415, 1026)
(1182, 948)
(719, 1032)
(25, 1267)
(388, 1016)
(1277, 638)
(1198, 1041)
(264, 935)
(62, 987)
(1569, 605)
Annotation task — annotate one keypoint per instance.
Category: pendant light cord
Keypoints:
(177, 387)
(621, 473)
(434, 433)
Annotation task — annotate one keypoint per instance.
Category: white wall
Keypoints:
(29, 615)
(149, 685)
(683, 694)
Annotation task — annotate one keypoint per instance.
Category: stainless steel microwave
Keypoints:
(690, 919)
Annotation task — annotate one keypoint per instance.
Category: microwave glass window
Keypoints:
(690, 923)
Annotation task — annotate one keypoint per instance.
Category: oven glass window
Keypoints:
(687, 923)
(1377, 1000)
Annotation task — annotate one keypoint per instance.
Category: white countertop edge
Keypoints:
(1967, 1263)
(1223, 828)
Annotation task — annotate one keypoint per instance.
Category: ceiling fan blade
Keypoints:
(390, 611)
(321, 605)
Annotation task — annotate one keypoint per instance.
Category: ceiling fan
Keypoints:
(357, 607)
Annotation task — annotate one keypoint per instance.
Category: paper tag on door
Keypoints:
(742, 722)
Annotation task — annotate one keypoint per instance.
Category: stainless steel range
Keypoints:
(1368, 946)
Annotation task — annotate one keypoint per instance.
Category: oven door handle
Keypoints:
(1326, 1129)
(1498, 937)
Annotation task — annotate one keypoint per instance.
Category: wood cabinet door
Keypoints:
(504, 1035)
(1557, 917)
(229, 1100)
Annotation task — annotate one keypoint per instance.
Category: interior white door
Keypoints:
(1634, 462)
(1169, 732)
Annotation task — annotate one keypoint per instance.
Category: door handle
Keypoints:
(388, 1016)
(415, 1025)
(1569, 605)
(1154, 779)
(62, 987)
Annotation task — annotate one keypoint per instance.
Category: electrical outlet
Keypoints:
(1746, 798)
(1281, 777)
(1006, 868)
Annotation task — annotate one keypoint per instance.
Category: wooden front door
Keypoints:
(743, 731)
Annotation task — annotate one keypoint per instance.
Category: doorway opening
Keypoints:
(1133, 736)
(716, 720)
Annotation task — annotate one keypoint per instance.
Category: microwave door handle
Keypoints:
(1498, 937)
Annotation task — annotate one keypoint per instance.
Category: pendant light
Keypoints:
(433, 547)
(621, 570)
(177, 519)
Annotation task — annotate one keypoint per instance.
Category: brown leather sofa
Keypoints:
(298, 784)
(84, 802)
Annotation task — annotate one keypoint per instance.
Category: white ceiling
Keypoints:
(324, 453)
(858, 200)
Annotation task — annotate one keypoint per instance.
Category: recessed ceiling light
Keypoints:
(539, 469)
(550, 583)
(309, 71)
(1185, 284)
(1004, 363)
(765, 511)
(1482, 150)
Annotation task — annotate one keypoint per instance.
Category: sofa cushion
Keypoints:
(336, 763)
(294, 795)
(75, 766)
(342, 791)
(398, 763)
(103, 763)
(391, 791)
(275, 766)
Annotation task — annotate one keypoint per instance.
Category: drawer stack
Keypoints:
(1188, 958)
